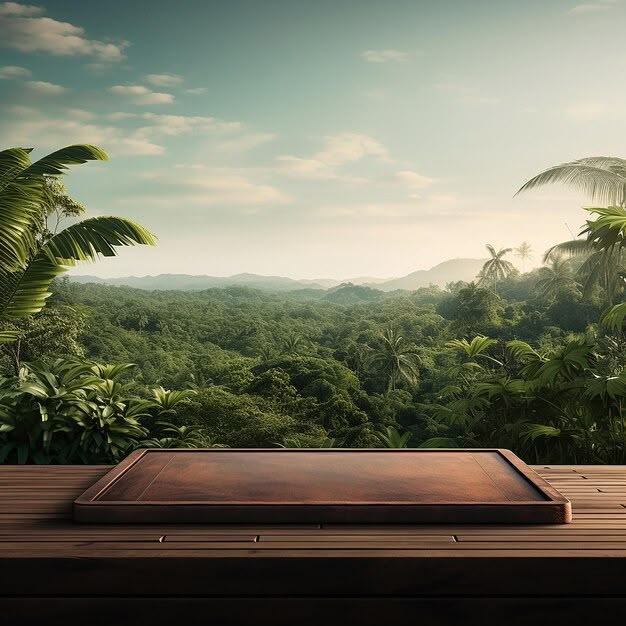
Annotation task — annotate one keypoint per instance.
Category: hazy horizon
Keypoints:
(318, 139)
(79, 272)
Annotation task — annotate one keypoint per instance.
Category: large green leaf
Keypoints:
(85, 240)
(25, 293)
(13, 161)
(601, 178)
(20, 209)
(56, 163)
(22, 194)
(613, 317)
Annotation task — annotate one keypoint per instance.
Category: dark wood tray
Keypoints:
(325, 485)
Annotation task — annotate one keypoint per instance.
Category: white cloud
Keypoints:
(385, 56)
(246, 142)
(337, 150)
(347, 147)
(200, 185)
(41, 86)
(195, 91)
(164, 80)
(15, 9)
(182, 124)
(414, 180)
(24, 126)
(14, 71)
(23, 28)
(138, 94)
(593, 7)
(173, 125)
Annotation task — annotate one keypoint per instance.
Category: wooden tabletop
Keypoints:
(57, 563)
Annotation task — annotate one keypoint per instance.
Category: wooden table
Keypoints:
(53, 571)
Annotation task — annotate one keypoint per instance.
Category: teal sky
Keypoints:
(317, 139)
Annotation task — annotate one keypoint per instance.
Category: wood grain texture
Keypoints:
(346, 486)
(309, 573)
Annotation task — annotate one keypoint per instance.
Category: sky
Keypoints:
(334, 138)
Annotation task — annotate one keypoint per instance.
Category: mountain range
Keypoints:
(448, 271)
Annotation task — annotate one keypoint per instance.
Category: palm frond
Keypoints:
(25, 292)
(13, 161)
(85, 240)
(613, 317)
(572, 248)
(9, 336)
(600, 178)
(56, 163)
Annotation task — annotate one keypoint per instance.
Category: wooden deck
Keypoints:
(55, 571)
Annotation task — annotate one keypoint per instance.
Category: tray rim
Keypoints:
(89, 498)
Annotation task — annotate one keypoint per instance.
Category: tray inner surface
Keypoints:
(321, 478)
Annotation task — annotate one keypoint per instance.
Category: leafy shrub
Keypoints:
(81, 412)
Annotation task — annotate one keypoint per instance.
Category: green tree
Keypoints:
(497, 268)
(555, 277)
(525, 253)
(602, 179)
(395, 361)
(31, 254)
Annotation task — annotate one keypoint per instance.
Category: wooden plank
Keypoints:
(363, 539)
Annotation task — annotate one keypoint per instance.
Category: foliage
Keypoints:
(72, 411)
(497, 268)
(31, 254)
(395, 361)
(564, 405)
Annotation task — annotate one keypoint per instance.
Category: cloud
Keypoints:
(164, 80)
(384, 56)
(337, 150)
(15, 9)
(13, 71)
(414, 180)
(246, 142)
(43, 87)
(24, 126)
(196, 90)
(172, 125)
(138, 94)
(200, 185)
(593, 7)
(23, 28)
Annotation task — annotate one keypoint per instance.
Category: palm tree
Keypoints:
(31, 255)
(395, 361)
(554, 277)
(525, 252)
(602, 251)
(603, 179)
(292, 344)
(497, 267)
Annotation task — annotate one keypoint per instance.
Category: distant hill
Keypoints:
(348, 293)
(187, 282)
(452, 270)
(446, 272)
